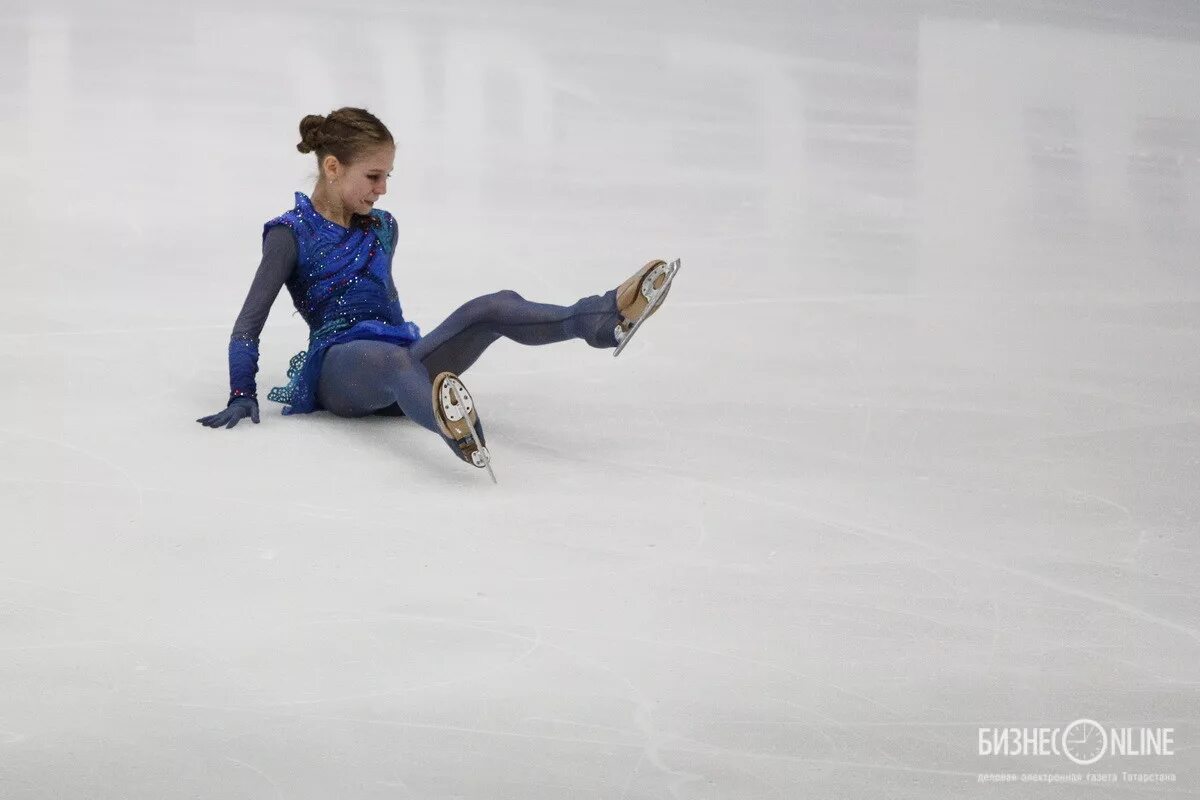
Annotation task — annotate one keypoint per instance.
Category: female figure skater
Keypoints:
(333, 251)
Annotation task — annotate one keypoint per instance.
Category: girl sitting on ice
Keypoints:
(333, 251)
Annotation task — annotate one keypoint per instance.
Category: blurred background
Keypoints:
(911, 450)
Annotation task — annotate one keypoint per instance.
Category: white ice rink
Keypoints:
(913, 449)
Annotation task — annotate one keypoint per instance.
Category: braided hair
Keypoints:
(346, 134)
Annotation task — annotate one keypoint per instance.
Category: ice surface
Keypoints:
(912, 449)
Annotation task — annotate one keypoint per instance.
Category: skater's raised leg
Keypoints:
(457, 343)
(605, 321)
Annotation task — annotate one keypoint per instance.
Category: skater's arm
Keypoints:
(392, 292)
(278, 261)
(393, 235)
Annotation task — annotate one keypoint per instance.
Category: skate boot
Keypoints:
(454, 409)
(640, 296)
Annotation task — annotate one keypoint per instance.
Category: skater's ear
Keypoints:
(332, 167)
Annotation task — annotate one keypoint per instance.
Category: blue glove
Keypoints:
(238, 409)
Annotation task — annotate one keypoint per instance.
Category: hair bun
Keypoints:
(346, 134)
(310, 133)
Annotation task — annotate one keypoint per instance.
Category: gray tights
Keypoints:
(373, 377)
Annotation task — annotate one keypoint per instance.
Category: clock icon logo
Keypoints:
(1084, 741)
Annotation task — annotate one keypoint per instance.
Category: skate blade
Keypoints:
(482, 458)
(661, 295)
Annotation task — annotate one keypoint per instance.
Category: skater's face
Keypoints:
(364, 181)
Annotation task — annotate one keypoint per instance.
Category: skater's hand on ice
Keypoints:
(240, 408)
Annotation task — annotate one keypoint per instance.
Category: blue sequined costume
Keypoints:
(340, 287)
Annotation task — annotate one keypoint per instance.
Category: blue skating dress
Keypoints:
(340, 287)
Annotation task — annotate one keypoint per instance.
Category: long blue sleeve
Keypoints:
(278, 262)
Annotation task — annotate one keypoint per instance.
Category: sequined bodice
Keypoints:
(341, 274)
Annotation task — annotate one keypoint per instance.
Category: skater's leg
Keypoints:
(455, 345)
(365, 376)
(368, 377)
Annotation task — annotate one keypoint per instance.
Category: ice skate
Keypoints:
(455, 411)
(640, 296)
